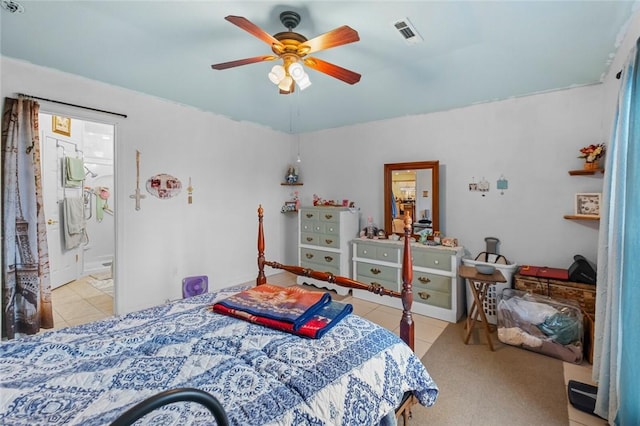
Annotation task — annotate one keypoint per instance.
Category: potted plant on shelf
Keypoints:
(591, 155)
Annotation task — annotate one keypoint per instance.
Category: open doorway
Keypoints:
(78, 192)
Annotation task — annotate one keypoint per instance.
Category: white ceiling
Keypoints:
(473, 52)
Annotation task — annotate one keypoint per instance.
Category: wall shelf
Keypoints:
(580, 217)
(583, 172)
(291, 184)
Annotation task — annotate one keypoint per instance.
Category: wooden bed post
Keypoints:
(262, 278)
(406, 324)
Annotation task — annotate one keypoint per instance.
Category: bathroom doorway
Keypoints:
(78, 191)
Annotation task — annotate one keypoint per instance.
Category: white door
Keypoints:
(64, 263)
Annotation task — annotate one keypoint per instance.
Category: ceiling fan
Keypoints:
(293, 49)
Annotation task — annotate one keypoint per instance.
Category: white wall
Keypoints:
(234, 167)
(533, 141)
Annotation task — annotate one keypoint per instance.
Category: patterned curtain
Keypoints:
(26, 286)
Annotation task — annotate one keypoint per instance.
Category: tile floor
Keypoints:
(78, 303)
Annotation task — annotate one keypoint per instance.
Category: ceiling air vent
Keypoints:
(407, 31)
(12, 6)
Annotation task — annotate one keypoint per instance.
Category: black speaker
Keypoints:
(582, 271)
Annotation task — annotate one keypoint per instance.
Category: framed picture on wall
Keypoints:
(588, 204)
(61, 125)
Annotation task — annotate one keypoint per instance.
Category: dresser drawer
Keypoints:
(389, 285)
(308, 215)
(306, 226)
(332, 228)
(378, 272)
(375, 252)
(366, 251)
(432, 297)
(318, 227)
(309, 238)
(329, 240)
(388, 254)
(329, 216)
(423, 280)
(430, 259)
(319, 257)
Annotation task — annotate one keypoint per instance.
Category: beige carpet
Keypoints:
(510, 386)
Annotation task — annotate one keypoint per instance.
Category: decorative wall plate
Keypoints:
(164, 186)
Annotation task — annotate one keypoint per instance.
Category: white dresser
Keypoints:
(438, 292)
(324, 242)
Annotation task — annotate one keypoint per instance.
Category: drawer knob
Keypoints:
(424, 280)
(309, 215)
(328, 258)
(328, 241)
(437, 262)
(309, 256)
(424, 295)
(328, 216)
(309, 239)
(385, 254)
(375, 271)
(330, 229)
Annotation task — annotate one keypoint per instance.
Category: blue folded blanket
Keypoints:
(293, 305)
(324, 319)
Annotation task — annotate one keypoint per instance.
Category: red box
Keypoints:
(544, 272)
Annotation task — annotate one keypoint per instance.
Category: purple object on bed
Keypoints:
(193, 286)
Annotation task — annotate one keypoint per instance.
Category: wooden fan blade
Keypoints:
(333, 70)
(338, 37)
(253, 29)
(246, 61)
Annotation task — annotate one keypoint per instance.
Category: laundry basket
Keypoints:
(491, 257)
(490, 303)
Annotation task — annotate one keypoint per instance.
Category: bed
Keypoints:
(357, 373)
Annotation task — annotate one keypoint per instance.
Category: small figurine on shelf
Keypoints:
(370, 231)
(591, 155)
(296, 199)
(293, 205)
(292, 175)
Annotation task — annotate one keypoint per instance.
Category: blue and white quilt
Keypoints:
(90, 374)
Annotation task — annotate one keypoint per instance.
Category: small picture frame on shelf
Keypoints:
(588, 204)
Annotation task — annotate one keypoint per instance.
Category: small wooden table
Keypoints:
(479, 284)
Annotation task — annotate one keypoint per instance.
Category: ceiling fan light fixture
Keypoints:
(296, 71)
(285, 83)
(304, 82)
(277, 74)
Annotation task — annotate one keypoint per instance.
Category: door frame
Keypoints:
(116, 121)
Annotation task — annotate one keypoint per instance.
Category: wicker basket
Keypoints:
(584, 294)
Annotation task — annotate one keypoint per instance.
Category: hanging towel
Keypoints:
(100, 203)
(74, 223)
(74, 172)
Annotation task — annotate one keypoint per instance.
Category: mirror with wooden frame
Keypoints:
(411, 188)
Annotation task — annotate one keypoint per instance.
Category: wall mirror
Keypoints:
(411, 188)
